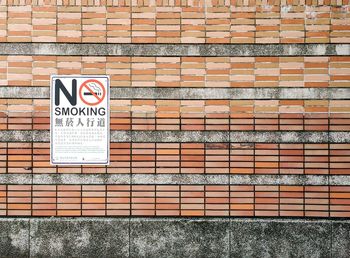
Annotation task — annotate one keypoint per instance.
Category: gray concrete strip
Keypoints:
(180, 136)
(95, 49)
(19, 135)
(81, 179)
(339, 180)
(18, 92)
(79, 237)
(179, 179)
(171, 179)
(230, 93)
(174, 237)
(294, 238)
(341, 137)
(192, 93)
(285, 137)
(16, 179)
(281, 180)
(194, 136)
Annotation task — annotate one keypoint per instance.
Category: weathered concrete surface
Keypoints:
(341, 239)
(79, 237)
(194, 136)
(94, 179)
(179, 237)
(172, 179)
(183, 179)
(14, 237)
(284, 180)
(280, 238)
(173, 237)
(193, 93)
(69, 49)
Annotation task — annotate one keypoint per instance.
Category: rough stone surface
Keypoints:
(341, 239)
(179, 238)
(194, 136)
(25, 92)
(174, 237)
(339, 180)
(16, 135)
(79, 237)
(288, 238)
(286, 137)
(120, 136)
(65, 49)
(14, 240)
(279, 180)
(19, 179)
(341, 137)
(183, 179)
(193, 93)
(85, 179)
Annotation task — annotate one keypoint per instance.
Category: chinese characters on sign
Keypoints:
(79, 120)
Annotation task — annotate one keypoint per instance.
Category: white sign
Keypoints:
(79, 120)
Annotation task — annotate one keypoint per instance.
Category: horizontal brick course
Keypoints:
(233, 115)
(203, 21)
(190, 158)
(236, 72)
(174, 200)
(279, 149)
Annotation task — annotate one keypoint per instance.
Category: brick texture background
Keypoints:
(185, 21)
(197, 21)
(174, 200)
(316, 71)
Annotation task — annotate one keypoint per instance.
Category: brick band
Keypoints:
(172, 179)
(194, 136)
(194, 93)
(92, 49)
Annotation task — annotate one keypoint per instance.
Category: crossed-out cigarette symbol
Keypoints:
(92, 92)
(97, 90)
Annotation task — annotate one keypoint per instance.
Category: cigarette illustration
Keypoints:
(95, 88)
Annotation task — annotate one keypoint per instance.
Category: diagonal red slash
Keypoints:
(92, 92)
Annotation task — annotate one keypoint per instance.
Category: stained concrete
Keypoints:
(174, 237)
(179, 237)
(79, 237)
(280, 238)
(194, 136)
(14, 237)
(95, 49)
(193, 93)
(172, 179)
(341, 239)
(283, 180)
(161, 179)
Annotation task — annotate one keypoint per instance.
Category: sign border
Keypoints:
(52, 77)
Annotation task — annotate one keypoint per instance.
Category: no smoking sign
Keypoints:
(79, 120)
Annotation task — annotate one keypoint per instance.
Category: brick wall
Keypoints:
(174, 200)
(198, 21)
(270, 71)
(279, 147)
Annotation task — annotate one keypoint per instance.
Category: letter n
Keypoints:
(72, 98)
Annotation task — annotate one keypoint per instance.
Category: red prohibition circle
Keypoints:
(99, 99)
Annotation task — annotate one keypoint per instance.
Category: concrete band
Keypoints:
(171, 179)
(173, 237)
(194, 136)
(193, 93)
(86, 49)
